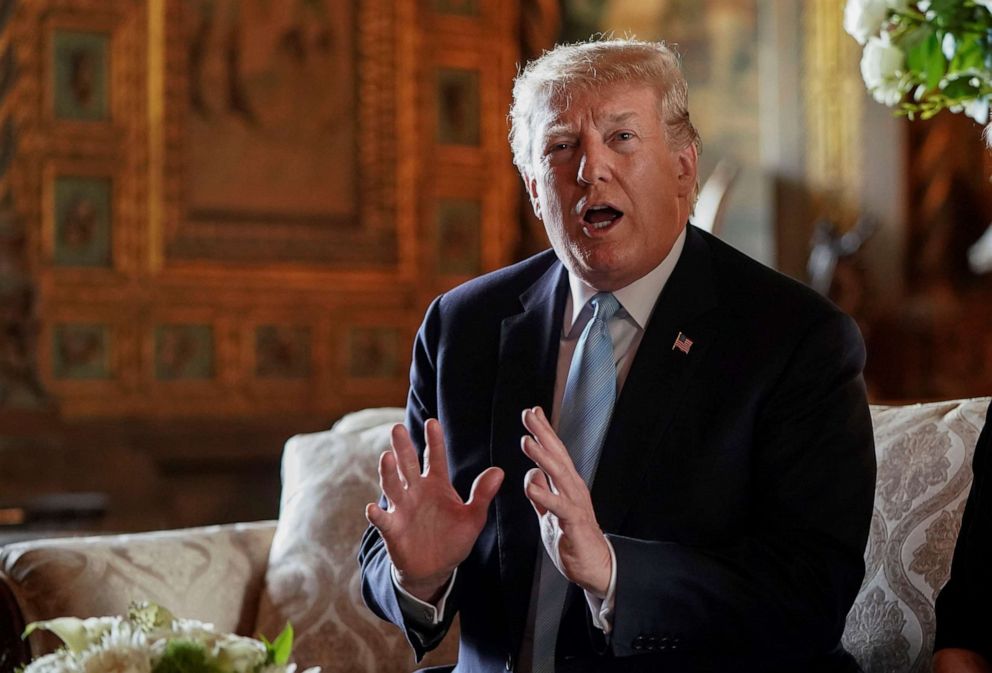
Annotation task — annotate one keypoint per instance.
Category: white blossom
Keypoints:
(864, 18)
(881, 68)
(978, 110)
(987, 4)
(137, 645)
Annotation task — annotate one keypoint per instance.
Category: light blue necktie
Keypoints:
(586, 407)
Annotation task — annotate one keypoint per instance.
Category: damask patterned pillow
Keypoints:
(313, 580)
(924, 454)
(213, 574)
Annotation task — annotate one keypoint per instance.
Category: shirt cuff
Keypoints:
(602, 608)
(422, 613)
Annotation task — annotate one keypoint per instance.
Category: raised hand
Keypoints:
(569, 529)
(427, 528)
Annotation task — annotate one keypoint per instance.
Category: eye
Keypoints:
(624, 135)
(559, 147)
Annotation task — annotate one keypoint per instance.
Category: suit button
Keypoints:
(638, 643)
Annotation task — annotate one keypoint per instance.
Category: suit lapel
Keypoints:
(526, 374)
(657, 376)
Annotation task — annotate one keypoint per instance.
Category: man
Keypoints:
(964, 626)
(715, 407)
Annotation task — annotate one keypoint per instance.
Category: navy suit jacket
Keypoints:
(735, 481)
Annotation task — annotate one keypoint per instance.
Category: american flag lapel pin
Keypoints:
(683, 343)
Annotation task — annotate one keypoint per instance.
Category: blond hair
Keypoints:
(586, 66)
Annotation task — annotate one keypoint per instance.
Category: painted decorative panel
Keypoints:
(458, 121)
(459, 237)
(265, 98)
(282, 352)
(81, 352)
(374, 352)
(184, 352)
(81, 72)
(83, 223)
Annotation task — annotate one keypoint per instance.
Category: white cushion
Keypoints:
(924, 454)
(313, 579)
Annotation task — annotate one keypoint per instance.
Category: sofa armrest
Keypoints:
(213, 574)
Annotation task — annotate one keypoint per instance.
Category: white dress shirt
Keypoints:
(637, 302)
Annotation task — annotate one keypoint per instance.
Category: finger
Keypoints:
(484, 489)
(558, 467)
(538, 425)
(436, 457)
(406, 456)
(378, 517)
(535, 480)
(389, 479)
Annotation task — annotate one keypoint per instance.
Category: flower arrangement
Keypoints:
(925, 55)
(151, 640)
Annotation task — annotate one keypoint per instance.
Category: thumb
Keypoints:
(484, 489)
(377, 516)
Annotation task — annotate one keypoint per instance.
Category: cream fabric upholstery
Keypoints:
(924, 456)
(213, 574)
(313, 579)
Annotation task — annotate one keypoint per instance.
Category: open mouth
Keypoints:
(600, 218)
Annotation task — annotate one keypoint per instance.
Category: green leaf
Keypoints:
(960, 88)
(969, 54)
(916, 44)
(936, 63)
(282, 646)
(944, 7)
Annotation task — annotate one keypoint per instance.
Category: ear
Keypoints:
(688, 160)
(535, 203)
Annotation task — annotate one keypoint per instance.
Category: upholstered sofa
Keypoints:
(254, 577)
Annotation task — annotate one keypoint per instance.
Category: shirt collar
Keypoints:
(637, 299)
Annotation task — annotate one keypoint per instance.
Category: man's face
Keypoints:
(611, 192)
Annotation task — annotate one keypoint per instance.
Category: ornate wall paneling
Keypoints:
(275, 133)
(217, 188)
(470, 213)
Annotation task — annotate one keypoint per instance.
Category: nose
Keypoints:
(594, 166)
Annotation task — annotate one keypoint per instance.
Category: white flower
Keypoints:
(864, 18)
(987, 4)
(138, 644)
(978, 110)
(77, 634)
(122, 658)
(881, 67)
(56, 662)
(236, 654)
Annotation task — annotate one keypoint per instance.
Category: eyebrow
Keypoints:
(615, 118)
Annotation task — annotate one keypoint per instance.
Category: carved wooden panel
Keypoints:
(242, 208)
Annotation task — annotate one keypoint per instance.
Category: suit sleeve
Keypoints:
(782, 588)
(963, 618)
(378, 590)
